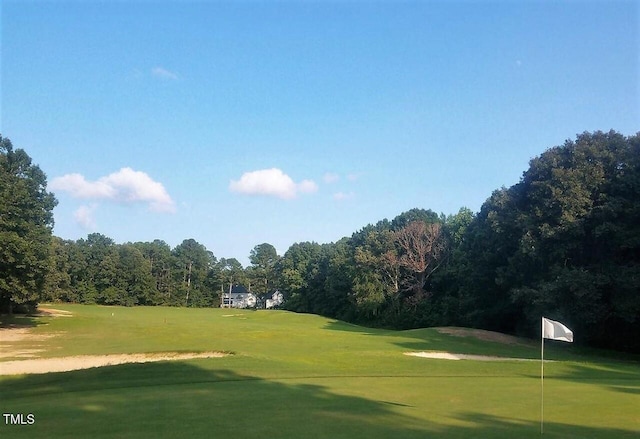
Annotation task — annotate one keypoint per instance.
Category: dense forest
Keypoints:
(563, 242)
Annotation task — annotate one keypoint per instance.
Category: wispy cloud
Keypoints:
(330, 177)
(307, 187)
(341, 196)
(84, 217)
(162, 73)
(271, 182)
(125, 186)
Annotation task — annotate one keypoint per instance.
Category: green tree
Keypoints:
(158, 255)
(193, 263)
(318, 279)
(135, 277)
(563, 242)
(58, 282)
(447, 296)
(377, 271)
(426, 216)
(579, 241)
(82, 289)
(263, 258)
(231, 272)
(335, 297)
(297, 270)
(26, 221)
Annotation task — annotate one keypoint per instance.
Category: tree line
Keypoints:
(96, 270)
(563, 242)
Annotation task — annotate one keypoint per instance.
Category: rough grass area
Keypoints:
(295, 375)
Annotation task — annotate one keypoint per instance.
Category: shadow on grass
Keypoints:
(20, 321)
(618, 377)
(426, 339)
(430, 339)
(488, 426)
(180, 399)
(339, 325)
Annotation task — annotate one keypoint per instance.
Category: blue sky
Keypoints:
(238, 123)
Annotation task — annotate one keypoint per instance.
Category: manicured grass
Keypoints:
(295, 376)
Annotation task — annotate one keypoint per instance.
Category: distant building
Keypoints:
(276, 299)
(240, 297)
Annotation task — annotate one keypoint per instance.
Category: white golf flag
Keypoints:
(556, 331)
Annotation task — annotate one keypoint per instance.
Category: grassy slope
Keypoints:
(298, 376)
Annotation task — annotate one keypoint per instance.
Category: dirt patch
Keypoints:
(10, 336)
(65, 364)
(7, 351)
(51, 312)
(451, 356)
(20, 334)
(481, 334)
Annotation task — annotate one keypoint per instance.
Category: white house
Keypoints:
(239, 297)
(277, 299)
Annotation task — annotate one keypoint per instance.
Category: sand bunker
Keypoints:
(65, 364)
(451, 356)
(13, 334)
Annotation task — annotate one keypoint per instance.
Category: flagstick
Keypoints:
(542, 383)
(554, 331)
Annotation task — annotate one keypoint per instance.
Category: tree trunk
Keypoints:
(422, 280)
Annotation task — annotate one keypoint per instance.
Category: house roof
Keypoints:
(238, 289)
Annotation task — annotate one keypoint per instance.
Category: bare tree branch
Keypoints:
(422, 249)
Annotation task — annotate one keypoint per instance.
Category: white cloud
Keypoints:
(162, 73)
(125, 186)
(136, 186)
(353, 177)
(330, 177)
(78, 187)
(271, 182)
(341, 196)
(307, 187)
(84, 217)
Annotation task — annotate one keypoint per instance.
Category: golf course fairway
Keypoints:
(276, 374)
